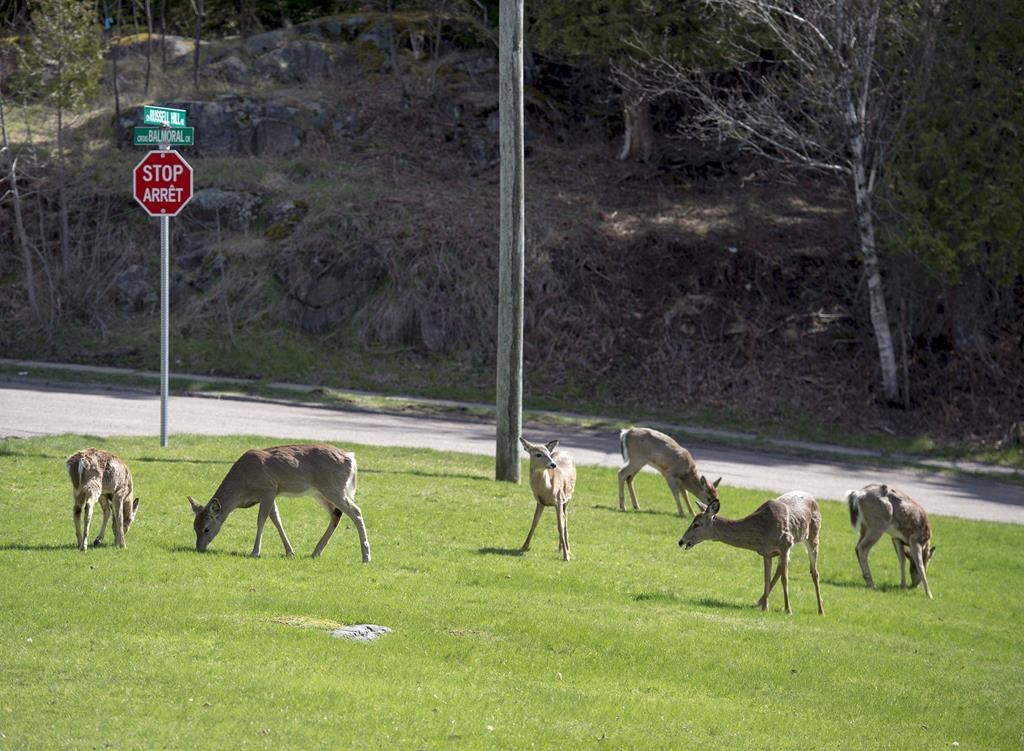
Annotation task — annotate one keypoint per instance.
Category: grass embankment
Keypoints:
(633, 644)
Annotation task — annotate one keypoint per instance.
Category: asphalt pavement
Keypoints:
(31, 409)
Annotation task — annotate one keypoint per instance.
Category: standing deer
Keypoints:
(771, 530)
(643, 446)
(878, 509)
(100, 475)
(552, 480)
(261, 475)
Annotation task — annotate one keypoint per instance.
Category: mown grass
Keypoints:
(634, 644)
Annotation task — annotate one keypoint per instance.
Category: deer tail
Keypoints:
(622, 445)
(853, 501)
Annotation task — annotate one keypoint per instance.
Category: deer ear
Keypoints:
(196, 508)
(551, 445)
(885, 490)
(700, 504)
(135, 506)
(525, 444)
(703, 482)
(931, 553)
(715, 483)
(713, 507)
(213, 507)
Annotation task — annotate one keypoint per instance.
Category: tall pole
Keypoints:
(512, 243)
(165, 305)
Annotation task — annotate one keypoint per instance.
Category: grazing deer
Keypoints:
(261, 475)
(552, 480)
(771, 530)
(878, 509)
(103, 476)
(642, 446)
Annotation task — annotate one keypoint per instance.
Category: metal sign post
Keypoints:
(165, 307)
(162, 183)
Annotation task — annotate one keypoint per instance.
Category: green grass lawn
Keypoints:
(633, 644)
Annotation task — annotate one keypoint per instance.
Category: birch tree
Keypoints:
(828, 98)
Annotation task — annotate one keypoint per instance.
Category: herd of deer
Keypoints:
(329, 474)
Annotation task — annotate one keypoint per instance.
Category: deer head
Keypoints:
(129, 509)
(207, 523)
(540, 454)
(700, 528)
(708, 491)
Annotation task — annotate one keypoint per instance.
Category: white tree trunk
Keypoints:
(872, 272)
(23, 243)
(65, 229)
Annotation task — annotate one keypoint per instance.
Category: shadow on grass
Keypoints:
(153, 459)
(711, 602)
(39, 548)
(421, 473)
(215, 553)
(852, 584)
(647, 511)
(512, 552)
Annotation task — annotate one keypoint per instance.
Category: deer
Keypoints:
(642, 446)
(259, 476)
(878, 509)
(552, 481)
(98, 475)
(771, 530)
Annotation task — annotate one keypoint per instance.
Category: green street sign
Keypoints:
(163, 116)
(157, 136)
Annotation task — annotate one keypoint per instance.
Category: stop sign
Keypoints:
(163, 183)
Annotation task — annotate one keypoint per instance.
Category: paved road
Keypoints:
(32, 410)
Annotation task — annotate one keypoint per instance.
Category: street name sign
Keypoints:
(163, 116)
(163, 183)
(154, 136)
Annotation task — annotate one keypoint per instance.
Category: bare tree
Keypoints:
(198, 6)
(149, 45)
(826, 98)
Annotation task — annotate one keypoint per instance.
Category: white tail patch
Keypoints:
(623, 448)
(350, 486)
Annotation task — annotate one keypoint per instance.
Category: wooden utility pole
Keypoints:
(512, 243)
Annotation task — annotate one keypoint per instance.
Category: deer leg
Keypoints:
(917, 555)
(118, 522)
(901, 556)
(775, 579)
(536, 518)
(265, 505)
(626, 475)
(77, 513)
(632, 491)
(565, 523)
(355, 514)
(784, 567)
(863, 547)
(334, 515)
(103, 526)
(275, 517)
(86, 521)
(337, 504)
(812, 553)
(563, 538)
(763, 602)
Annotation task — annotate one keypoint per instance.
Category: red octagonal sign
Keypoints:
(163, 183)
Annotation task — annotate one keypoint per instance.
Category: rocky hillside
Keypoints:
(347, 206)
